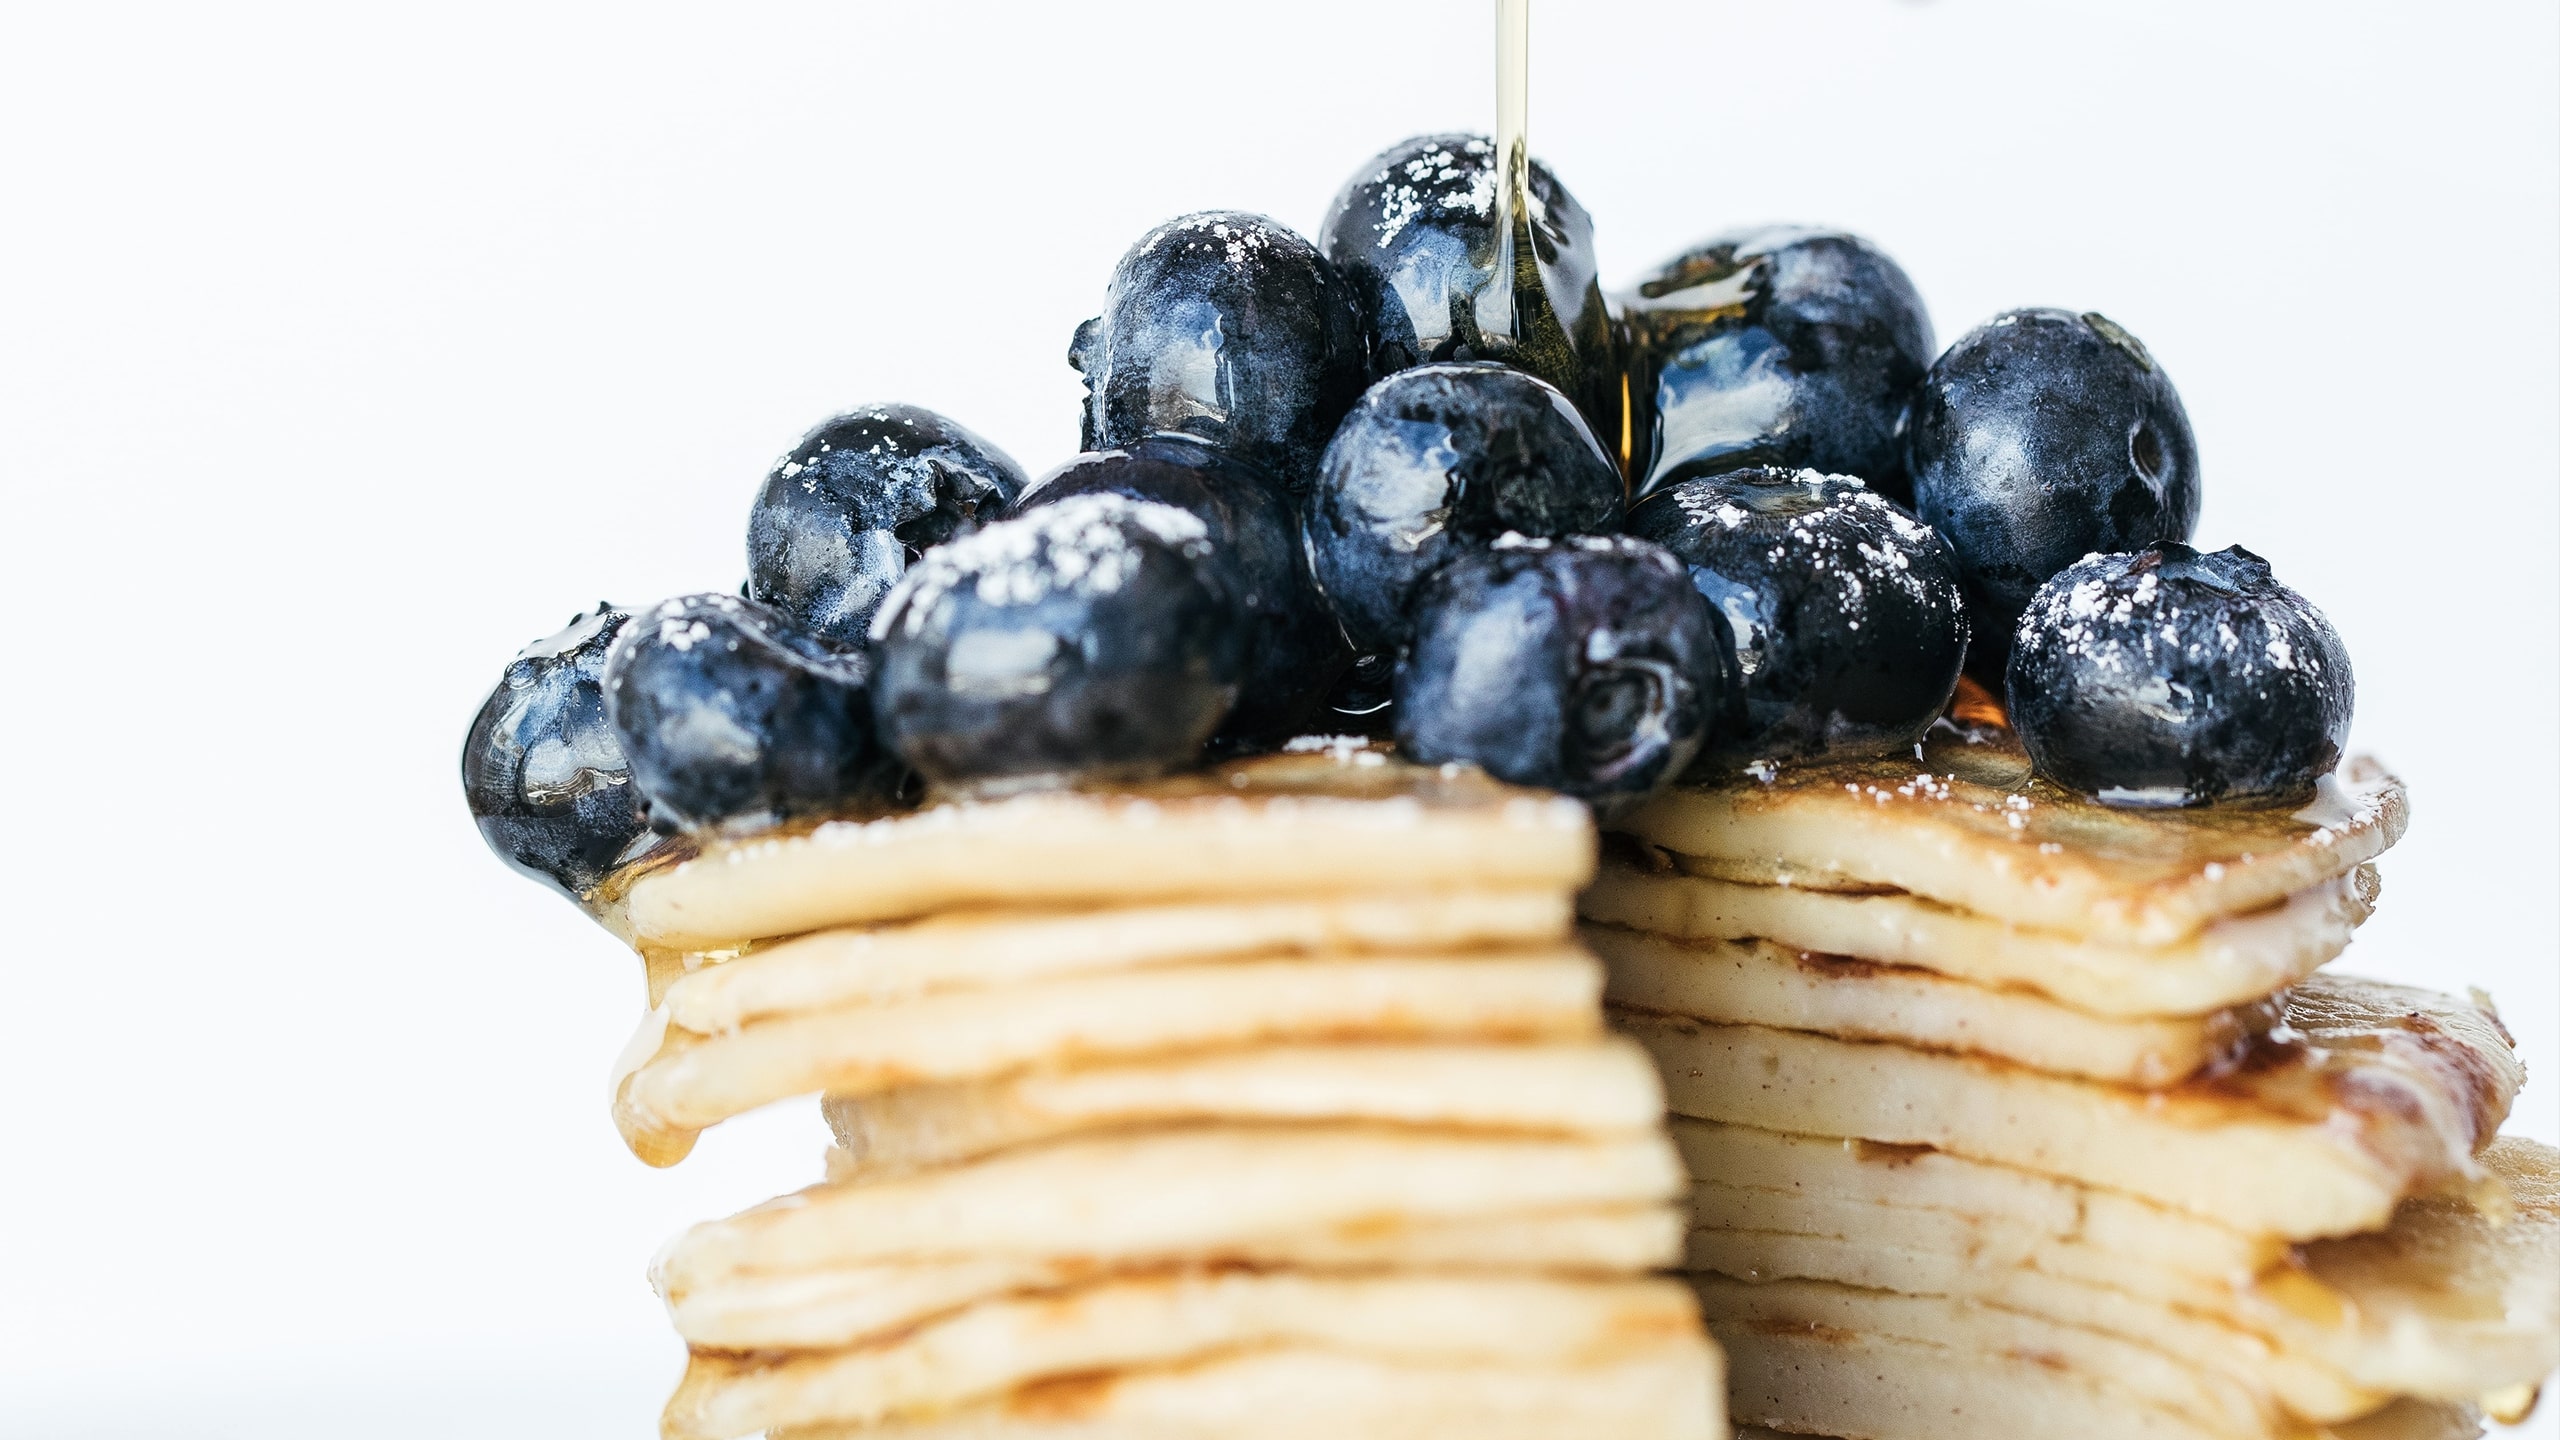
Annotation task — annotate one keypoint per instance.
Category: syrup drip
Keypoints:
(1497, 307)
(1529, 309)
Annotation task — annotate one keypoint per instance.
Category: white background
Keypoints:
(343, 349)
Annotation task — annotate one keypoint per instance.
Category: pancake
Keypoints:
(1327, 823)
(2301, 1385)
(2231, 961)
(2156, 1392)
(2405, 1420)
(1753, 982)
(2450, 1302)
(1587, 1087)
(995, 949)
(1966, 824)
(693, 1081)
(833, 1307)
(1857, 1183)
(991, 1349)
(1671, 1392)
(1189, 1195)
(2369, 1094)
(2454, 1300)
(1813, 1381)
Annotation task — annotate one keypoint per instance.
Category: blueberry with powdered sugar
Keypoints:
(1842, 621)
(1294, 647)
(2170, 677)
(734, 720)
(1780, 346)
(842, 516)
(1439, 460)
(546, 781)
(1092, 638)
(1414, 233)
(1229, 327)
(1586, 665)
(2041, 437)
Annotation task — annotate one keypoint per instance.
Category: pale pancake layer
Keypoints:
(1818, 1382)
(1303, 825)
(2372, 1093)
(834, 1307)
(1673, 1392)
(2453, 1300)
(2172, 1396)
(696, 1081)
(993, 1348)
(1587, 1087)
(2231, 961)
(2293, 1383)
(2407, 1420)
(1967, 825)
(1190, 1194)
(1905, 1194)
(1753, 982)
(2449, 1302)
(998, 949)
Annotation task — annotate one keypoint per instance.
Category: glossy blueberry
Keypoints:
(1442, 459)
(1842, 620)
(1091, 637)
(842, 516)
(2171, 677)
(1294, 647)
(1586, 665)
(544, 776)
(1414, 233)
(1362, 702)
(1775, 346)
(1226, 326)
(2037, 439)
(734, 720)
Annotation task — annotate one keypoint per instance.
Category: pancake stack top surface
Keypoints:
(1280, 1104)
(2007, 1106)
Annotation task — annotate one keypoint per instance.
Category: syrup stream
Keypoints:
(1497, 312)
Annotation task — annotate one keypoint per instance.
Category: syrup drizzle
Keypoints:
(1497, 310)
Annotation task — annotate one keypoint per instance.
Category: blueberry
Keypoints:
(1226, 326)
(2171, 677)
(840, 518)
(1294, 647)
(2037, 439)
(1586, 665)
(1842, 618)
(1777, 346)
(541, 770)
(734, 720)
(1091, 637)
(1442, 459)
(1414, 234)
(1362, 702)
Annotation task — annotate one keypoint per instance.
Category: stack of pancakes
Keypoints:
(1273, 1100)
(2013, 1114)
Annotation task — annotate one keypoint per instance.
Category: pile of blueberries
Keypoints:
(1315, 495)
